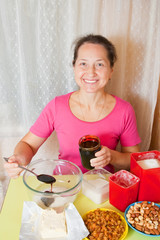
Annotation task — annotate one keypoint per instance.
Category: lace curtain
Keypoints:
(155, 141)
(36, 55)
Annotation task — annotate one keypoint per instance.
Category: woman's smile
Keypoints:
(90, 81)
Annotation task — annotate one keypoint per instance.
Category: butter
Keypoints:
(52, 225)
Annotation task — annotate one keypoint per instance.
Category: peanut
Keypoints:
(145, 217)
(140, 228)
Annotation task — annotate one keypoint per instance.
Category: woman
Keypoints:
(90, 110)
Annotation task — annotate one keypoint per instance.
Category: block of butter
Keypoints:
(52, 225)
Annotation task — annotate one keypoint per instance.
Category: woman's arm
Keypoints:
(120, 160)
(23, 153)
(28, 146)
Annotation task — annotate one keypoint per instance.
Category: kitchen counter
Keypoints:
(10, 216)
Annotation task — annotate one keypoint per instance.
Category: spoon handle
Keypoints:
(6, 159)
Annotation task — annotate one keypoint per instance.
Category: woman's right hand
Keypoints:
(23, 153)
(12, 168)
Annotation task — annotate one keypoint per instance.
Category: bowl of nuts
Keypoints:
(144, 217)
(105, 224)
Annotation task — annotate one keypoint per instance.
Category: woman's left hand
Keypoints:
(103, 158)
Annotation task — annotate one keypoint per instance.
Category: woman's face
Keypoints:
(92, 68)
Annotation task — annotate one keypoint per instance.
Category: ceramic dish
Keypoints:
(126, 211)
(122, 218)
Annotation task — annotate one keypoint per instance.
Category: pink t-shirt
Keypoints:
(119, 125)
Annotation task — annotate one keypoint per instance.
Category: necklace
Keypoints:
(101, 110)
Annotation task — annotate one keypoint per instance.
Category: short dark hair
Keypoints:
(96, 39)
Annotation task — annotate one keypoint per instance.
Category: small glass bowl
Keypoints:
(68, 183)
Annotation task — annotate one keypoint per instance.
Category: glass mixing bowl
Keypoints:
(68, 183)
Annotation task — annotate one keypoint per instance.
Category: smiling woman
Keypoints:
(89, 110)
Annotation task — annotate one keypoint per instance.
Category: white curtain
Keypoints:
(36, 55)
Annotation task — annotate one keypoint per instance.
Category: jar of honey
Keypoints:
(88, 146)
